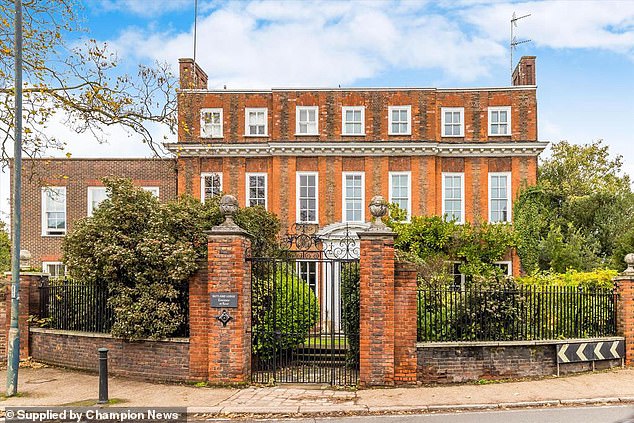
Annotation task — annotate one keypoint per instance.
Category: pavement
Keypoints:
(49, 386)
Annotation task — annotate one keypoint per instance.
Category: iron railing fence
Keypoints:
(71, 305)
(522, 313)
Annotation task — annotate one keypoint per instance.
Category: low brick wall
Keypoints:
(456, 362)
(165, 360)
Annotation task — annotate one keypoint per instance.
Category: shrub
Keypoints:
(282, 303)
(490, 314)
(432, 242)
(350, 313)
(599, 278)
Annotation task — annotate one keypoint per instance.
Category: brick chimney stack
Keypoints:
(189, 79)
(524, 73)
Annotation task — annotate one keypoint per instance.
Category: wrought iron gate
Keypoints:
(305, 311)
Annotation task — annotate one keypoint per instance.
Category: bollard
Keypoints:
(103, 376)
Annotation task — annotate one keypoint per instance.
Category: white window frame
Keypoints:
(508, 197)
(298, 268)
(345, 109)
(506, 109)
(297, 191)
(463, 277)
(203, 133)
(509, 264)
(247, 177)
(299, 109)
(155, 191)
(46, 231)
(409, 191)
(46, 264)
(408, 109)
(203, 175)
(344, 198)
(442, 124)
(249, 110)
(462, 197)
(90, 194)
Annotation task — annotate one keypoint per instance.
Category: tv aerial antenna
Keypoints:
(514, 41)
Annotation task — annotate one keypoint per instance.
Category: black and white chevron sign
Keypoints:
(590, 351)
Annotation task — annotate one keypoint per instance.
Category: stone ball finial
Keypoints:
(25, 258)
(378, 209)
(228, 208)
(629, 260)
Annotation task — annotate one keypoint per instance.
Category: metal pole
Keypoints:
(103, 376)
(13, 347)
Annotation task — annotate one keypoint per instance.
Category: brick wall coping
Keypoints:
(9, 274)
(103, 335)
(624, 277)
(101, 159)
(513, 343)
(346, 89)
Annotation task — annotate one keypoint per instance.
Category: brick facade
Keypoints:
(165, 360)
(77, 175)
(423, 152)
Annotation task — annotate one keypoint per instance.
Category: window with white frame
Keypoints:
(256, 122)
(210, 185)
(211, 123)
(307, 270)
(95, 196)
(452, 121)
(153, 190)
(54, 211)
(458, 278)
(500, 197)
(453, 196)
(353, 194)
(506, 267)
(256, 189)
(400, 118)
(499, 121)
(307, 195)
(400, 191)
(56, 269)
(306, 120)
(353, 120)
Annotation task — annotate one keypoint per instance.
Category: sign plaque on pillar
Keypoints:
(224, 300)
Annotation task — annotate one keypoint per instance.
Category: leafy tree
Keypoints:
(5, 249)
(144, 252)
(82, 85)
(580, 170)
(578, 213)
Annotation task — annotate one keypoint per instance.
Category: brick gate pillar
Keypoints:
(29, 305)
(625, 308)
(376, 297)
(220, 319)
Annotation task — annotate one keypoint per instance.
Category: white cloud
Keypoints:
(607, 25)
(264, 44)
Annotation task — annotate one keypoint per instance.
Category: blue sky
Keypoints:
(584, 49)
